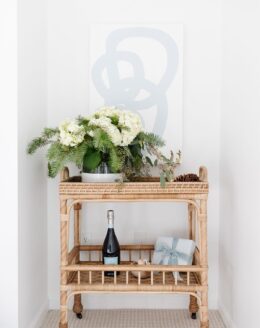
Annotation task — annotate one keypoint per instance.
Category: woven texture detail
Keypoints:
(132, 319)
(72, 188)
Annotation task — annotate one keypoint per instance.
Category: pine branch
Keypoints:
(58, 157)
(50, 133)
(150, 139)
(36, 144)
(43, 140)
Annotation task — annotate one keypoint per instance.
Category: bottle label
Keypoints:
(111, 260)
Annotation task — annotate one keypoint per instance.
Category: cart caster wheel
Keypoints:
(79, 315)
(194, 316)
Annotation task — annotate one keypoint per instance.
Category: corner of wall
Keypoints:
(225, 316)
(39, 316)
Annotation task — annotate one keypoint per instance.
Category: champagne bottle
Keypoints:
(111, 249)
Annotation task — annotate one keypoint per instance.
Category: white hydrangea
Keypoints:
(109, 111)
(106, 125)
(128, 127)
(131, 125)
(71, 133)
(91, 133)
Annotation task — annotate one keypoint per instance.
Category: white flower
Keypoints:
(71, 133)
(121, 131)
(106, 125)
(131, 125)
(109, 111)
(91, 133)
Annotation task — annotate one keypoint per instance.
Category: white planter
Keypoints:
(101, 177)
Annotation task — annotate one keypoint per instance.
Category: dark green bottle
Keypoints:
(111, 248)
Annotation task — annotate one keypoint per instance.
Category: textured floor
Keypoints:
(132, 319)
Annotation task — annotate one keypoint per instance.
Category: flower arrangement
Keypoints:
(111, 136)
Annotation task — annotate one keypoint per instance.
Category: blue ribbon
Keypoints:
(172, 253)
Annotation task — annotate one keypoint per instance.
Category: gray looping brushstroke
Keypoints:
(125, 90)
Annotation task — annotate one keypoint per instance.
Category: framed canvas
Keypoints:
(139, 68)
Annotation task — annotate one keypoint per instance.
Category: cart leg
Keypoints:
(204, 318)
(63, 310)
(77, 307)
(193, 308)
(64, 235)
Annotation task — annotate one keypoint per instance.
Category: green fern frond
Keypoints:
(76, 155)
(58, 157)
(116, 160)
(54, 168)
(56, 151)
(101, 140)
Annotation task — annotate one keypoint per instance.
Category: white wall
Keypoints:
(23, 233)
(8, 165)
(240, 163)
(68, 23)
(32, 192)
(68, 96)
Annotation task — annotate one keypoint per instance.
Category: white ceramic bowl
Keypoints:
(143, 274)
(104, 177)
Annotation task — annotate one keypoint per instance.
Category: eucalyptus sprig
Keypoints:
(166, 165)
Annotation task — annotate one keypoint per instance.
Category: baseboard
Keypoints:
(226, 317)
(39, 317)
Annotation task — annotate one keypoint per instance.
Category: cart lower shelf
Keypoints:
(126, 282)
(89, 276)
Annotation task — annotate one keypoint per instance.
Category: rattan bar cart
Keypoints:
(78, 277)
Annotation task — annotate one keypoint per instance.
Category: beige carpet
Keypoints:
(132, 319)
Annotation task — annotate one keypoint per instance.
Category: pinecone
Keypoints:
(190, 177)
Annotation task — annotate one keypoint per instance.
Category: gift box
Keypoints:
(173, 251)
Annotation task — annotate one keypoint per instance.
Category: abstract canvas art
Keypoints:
(139, 67)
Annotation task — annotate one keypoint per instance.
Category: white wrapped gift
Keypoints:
(173, 251)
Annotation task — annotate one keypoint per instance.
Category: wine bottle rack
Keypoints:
(79, 277)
